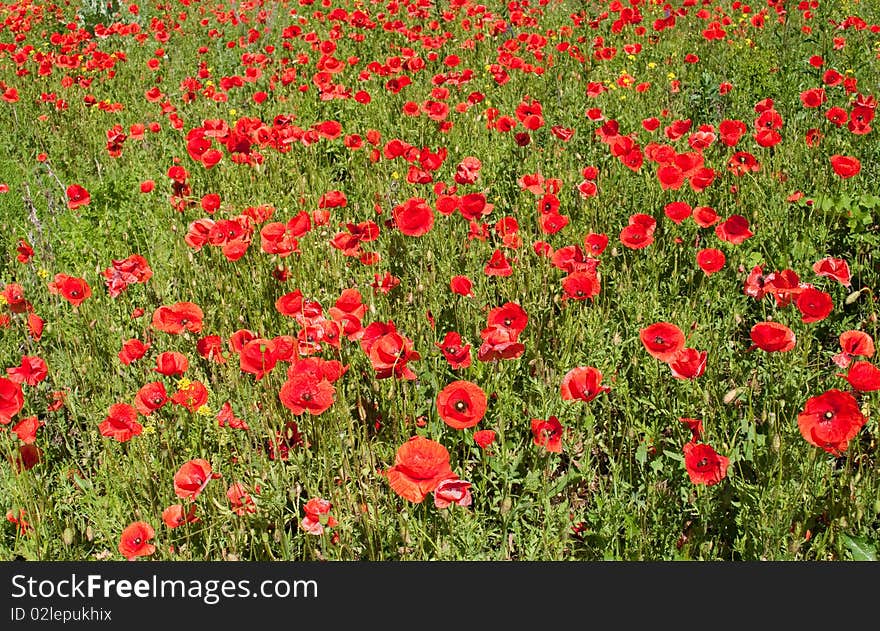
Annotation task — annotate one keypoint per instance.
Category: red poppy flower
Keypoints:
(258, 357)
(150, 398)
(57, 401)
(19, 520)
(14, 295)
(241, 337)
(419, 466)
(461, 404)
(414, 217)
(211, 347)
(473, 206)
(837, 116)
(509, 315)
(705, 216)
(704, 465)
(735, 229)
(177, 318)
(845, 166)
(814, 305)
(349, 303)
(688, 363)
(304, 392)
(785, 286)
(125, 272)
(583, 383)
(121, 423)
(73, 289)
(318, 516)
(192, 478)
(29, 456)
(548, 434)
(175, 515)
(35, 326)
(26, 429)
(773, 337)
(551, 223)
(458, 355)
(191, 396)
(636, 236)
(452, 491)
(813, 97)
(587, 189)
(677, 212)
(331, 370)
(384, 283)
(853, 343)
(226, 418)
(25, 251)
(743, 162)
(133, 542)
(132, 350)
(864, 376)
(696, 427)
(595, 244)
(388, 351)
(77, 196)
(484, 437)
(710, 260)
(498, 265)
(289, 437)
(838, 269)
(171, 363)
(581, 285)
(31, 371)
(671, 177)
(462, 286)
(499, 342)
(662, 340)
(830, 420)
(730, 131)
(240, 500)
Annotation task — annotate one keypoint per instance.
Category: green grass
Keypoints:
(619, 489)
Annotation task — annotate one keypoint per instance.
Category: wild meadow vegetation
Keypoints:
(430, 279)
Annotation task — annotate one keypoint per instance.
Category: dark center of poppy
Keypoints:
(658, 340)
(450, 349)
(307, 396)
(74, 293)
(742, 159)
(507, 321)
(310, 339)
(157, 400)
(828, 415)
(702, 463)
(138, 541)
(184, 320)
(460, 405)
(579, 292)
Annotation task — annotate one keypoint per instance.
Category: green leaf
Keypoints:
(674, 455)
(859, 548)
(642, 454)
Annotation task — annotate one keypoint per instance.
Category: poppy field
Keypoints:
(439, 279)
